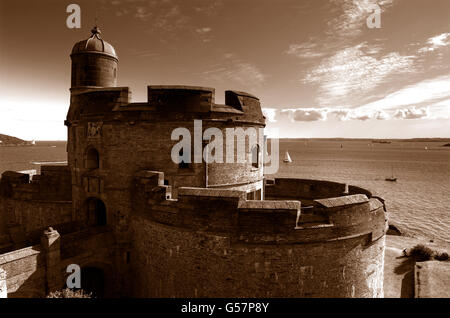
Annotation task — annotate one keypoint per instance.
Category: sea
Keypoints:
(418, 202)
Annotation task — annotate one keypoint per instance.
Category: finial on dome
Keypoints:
(95, 30)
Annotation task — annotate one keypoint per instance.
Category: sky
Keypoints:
(317, 67)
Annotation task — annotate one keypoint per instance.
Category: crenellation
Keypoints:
(346, 217)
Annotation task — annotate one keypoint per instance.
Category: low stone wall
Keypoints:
(432, 279)
(28, 207)
(25, 272)
(172, 262)
(31, 218)
(3, 288)
(53, 184)
(303, 189)
(215, 243)
(36, 271)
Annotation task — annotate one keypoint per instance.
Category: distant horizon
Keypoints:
(444, 139)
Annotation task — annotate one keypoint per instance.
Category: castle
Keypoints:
(140, 225)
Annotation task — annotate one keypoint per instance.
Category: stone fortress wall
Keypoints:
(149, 227)
(28, 205)
(215, 243)
(129, 137)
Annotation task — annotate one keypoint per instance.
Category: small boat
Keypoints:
(391, 178)
(287, 157)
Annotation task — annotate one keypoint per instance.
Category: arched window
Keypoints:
(255, 156)
(92, 159)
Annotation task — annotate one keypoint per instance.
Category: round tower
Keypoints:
(94, 63)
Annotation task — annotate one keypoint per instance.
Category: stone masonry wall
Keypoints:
(30, 218)
(37, 270)
(27, 208)
(215, 243)
(25, 272)
(171, 262)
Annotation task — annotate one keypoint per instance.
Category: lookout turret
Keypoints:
(94, 63)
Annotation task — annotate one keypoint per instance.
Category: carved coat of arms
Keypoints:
(94, 129)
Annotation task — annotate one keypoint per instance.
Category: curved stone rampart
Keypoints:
(335, 249)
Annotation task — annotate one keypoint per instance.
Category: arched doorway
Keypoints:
(96, 212)
(93, 281)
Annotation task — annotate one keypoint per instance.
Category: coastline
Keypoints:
(401, 278)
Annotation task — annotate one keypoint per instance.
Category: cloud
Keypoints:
(145, 53)
(299, 114)
(209, 7)
(245, 73)
(204, 33)
(309, 115)
(166, 17)
(306, 50)
(236, 70)
(322, 114)
(203, 30)
(436, 42)
(270, 114)
(381, 115)
(349, 114)
(412, 113)
(355, 13)
(353, 71)
(440, 110)
(142, 13)
(427, 91)
(358, 114)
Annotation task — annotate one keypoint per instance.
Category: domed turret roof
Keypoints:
(94, 44)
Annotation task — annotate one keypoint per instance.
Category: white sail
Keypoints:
(287, 157)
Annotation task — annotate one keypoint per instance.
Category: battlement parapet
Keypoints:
(53, 184)
(246, 103)
(164, 102)
(181, 98)
(304, 189)
(342, 201)
(97, 101)
(267, 221)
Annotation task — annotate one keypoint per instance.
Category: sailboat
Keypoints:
(391, 178)
(287, 157)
